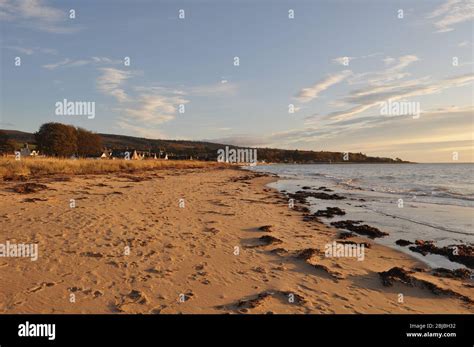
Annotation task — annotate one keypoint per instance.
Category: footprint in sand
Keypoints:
(265, 240)
(262, 299)
(159, 309)
(40, 286)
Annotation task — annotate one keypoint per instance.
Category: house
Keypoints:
(106, 154)
(135, 155)
(25, 151)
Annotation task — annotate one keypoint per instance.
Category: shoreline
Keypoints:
(185, 260)
(411, 220)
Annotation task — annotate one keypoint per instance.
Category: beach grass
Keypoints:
(29, 167)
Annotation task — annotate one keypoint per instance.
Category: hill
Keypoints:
(181, 149)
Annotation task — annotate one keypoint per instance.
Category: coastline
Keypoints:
(185, 260)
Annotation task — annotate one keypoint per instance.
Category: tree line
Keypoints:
(60, 140)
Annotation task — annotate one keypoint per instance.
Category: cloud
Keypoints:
(110, 83)
(82, 62)
(31, 50)
(53, 66)
(343, 60)
(374, 96)
(36, 14)
(310, 93)
(450, 13)
(346, 60)
(438, 127)
(464, 44)
(389, 60)
(393, 72)
(332, 130)
(154, 106)
(142, 108)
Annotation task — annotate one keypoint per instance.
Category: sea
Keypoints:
(409, 201)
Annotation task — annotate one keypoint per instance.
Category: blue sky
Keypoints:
(283, 61)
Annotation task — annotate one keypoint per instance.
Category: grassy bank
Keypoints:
(11, 168)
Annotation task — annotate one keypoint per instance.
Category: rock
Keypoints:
(345, 235)
(394, 273)
(402, 242)
(458, 273)
(404, 276)
(324, 189)
(364, 229)
(303, 209)
(330, 212)
(301, 196)
(462, 254)
(311, 218)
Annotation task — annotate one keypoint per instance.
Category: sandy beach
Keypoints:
(127, 243)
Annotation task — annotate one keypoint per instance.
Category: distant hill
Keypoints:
(208, 150)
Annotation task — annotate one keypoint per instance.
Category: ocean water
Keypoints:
(437, 200)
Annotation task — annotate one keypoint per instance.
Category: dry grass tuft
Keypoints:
(17, 169)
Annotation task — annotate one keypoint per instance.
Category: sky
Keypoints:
(311, 75)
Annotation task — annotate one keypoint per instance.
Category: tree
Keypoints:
(6, 144)
(88, 143)
(57, 139)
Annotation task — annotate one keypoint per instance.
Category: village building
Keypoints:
(27, 152)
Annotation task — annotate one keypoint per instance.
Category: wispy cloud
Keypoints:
(31, 50)
(82, 62)
(110, 83)
(354, 117)
(310, 93)
(154, 106)
(36, 14)
(388, 134)
(141, 108)
(346, 60)
(451, 13)
(393, 72)
(372, 96)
